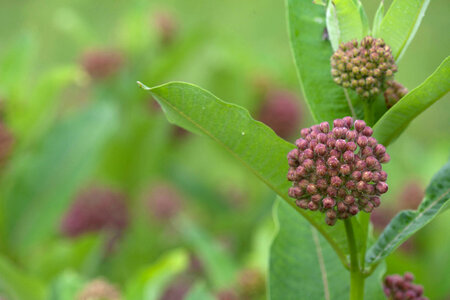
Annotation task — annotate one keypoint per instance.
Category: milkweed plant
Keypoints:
(330, 181)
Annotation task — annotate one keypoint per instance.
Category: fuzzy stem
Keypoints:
(356, 277)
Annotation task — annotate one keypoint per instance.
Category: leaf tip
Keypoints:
(142, 86)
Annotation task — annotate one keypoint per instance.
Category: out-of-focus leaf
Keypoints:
(17, 286)
(219, 266)
(349, 20)
(66, 286)
(255, 145)
(39, 110)
(397, 118)
(332, 25)
(82, 254)
(15, 65)
(42, 184)
(319, 2)
(150, 283)
(379, 14)
(199, 292)
(407, 222)
(303, 265)
(400, 24)
(326, 100)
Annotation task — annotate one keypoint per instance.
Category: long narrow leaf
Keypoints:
(401, 23)
(406, 223)
(349, 19)
(396, 119)
(378, 19)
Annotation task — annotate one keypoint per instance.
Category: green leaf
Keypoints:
(17, 286)
(373, 288)
(400, 24)
(66, 286)
(251, 142)
(379, 14)
(407, 222)
(43, 183)
(151, 282)
(199, 292)
(349, 19)
(326, 100)
(397, 118)
(332, 25)
(303, 265)
(219, 266)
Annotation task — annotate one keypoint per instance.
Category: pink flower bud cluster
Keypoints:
(397, 287)
(363, 67)
(337, 171)
(94, 210)
(281, 112)
(394, 92)
(100, 64)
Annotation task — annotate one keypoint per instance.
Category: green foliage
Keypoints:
(349, 20)
(302, 263)
(406, 223)
(152, 280)
(400, 24)
(18, 286)
(396, 119)
(326, 100)
(217, 263)
(199, 292)
(43, 182)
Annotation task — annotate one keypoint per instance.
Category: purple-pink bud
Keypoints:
(311, 188)
(324, 127)
(362, 141)
(336, 181)
(367, 131)
(379, 150)
(333, 162)
(302, 144)
(360, 125)
(382, 187)
(341, 145)
(320, 149)
(328, 202)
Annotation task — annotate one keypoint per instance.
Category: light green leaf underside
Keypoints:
(400, 24)
(349, 20)
(303, 266)
(396, 119)
(325, 98)
(251, 142)
(408, 222)
(332, 26)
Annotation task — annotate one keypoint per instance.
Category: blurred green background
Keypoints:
(67, 130)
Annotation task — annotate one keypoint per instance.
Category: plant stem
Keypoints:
(356, 276)
(368, 111)
(349, 102)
